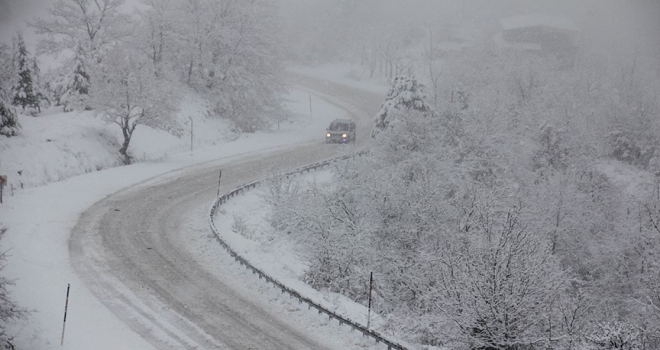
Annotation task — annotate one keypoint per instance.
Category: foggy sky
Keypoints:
(612, 25)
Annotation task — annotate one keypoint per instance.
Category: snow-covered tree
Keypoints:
(406, 95)
(76, 93)
(39, 86)
(126, 92)
(230, 51)
(502, 282)
(156, 34)
(23, 89)
(95, 25)
(253, 73)
(8, 118)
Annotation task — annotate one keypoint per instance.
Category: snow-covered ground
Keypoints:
(52, 150)
(345, 74)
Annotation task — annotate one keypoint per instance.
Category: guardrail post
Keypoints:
(371, 283)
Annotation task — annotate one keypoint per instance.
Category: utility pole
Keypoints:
(310, 106)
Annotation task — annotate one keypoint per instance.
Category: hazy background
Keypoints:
(326, 28)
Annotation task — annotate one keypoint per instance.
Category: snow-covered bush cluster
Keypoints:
(493, 222)
(10, 312)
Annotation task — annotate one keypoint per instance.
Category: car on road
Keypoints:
(340, 131)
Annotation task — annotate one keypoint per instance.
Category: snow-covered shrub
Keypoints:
(626, 149)
(616, 335)
(326, 230)
(460, 97)
(10, 312)
(240, 226)
(654, 163)
(282, 191)
(8, 120)
(553, 153)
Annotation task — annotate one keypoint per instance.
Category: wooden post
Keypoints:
(66, 306)
(310, 106)
(191, 135)
(3, 182)
(371, 282)
(219, 178)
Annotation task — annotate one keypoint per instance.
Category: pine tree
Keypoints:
(80, 81)
(405, 95)
(24, 89)
(78, 84)
(38, 89)
(8, 120)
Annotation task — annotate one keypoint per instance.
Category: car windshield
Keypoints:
(338, 127)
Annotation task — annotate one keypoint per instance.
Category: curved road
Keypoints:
(127, 249)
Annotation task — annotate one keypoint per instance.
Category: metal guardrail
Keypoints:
(262, 275)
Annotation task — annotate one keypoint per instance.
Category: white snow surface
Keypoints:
(59, 154)
(345, 74)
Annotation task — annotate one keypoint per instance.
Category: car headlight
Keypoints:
(327, 135)
(344, 135)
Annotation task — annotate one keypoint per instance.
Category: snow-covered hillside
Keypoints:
(68, 156)
(54, 146)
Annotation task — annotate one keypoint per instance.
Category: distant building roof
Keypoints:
(535, 20)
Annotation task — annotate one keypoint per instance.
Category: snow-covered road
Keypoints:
(129, 251)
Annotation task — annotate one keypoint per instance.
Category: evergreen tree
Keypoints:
(24, 89)
(38, 91)
(8, 119)
(78, 84)
(405, 95)
(80, 80)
